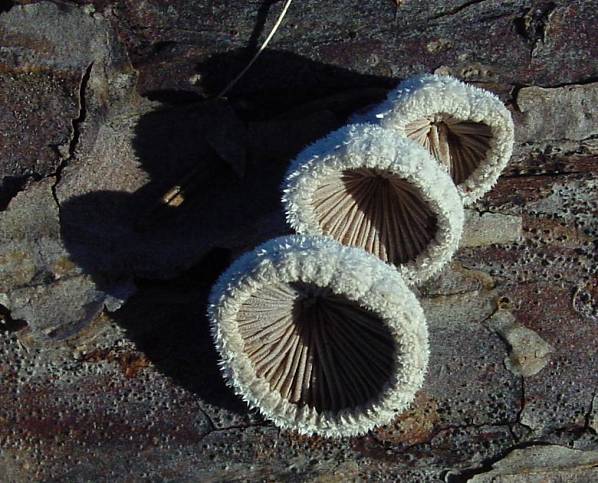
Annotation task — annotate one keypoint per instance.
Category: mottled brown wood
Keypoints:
(107, 369)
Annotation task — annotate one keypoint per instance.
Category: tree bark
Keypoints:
(107, 365)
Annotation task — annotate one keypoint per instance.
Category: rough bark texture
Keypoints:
(106, 366)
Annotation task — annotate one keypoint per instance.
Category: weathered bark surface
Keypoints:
(106, 366)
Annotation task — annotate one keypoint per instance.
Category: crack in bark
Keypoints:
(498, 424)
(417, 27)
(544, 175)
(485, 466)
(43, 282)
(532, 25)
(588, 416)
(76, 125)
(459, 294)
(438, 431)
(514, 95)
(516, 88)
(82, 110)
(583, 82)
(210, 422)
(522, 405)
(456, 10)
(21, 182)
(542, 27)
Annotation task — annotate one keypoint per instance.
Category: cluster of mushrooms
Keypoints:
(320, 330)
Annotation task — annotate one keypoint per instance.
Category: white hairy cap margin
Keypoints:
(350, 272)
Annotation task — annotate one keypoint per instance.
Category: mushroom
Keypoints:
(465, 128)
(321, 338)
(372, 188)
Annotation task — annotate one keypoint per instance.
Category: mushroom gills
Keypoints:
(375, 210)
(460, 145)
(316, 348)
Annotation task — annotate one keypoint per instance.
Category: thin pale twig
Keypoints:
(258, 53)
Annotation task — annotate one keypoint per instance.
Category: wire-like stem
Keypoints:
(261, 49)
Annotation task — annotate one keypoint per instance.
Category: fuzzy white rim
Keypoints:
(384, 224)
(348, 272)
(434, 109)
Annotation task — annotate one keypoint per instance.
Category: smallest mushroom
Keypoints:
(321, 338)
(465, 128)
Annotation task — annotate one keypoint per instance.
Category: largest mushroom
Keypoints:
(321, 338)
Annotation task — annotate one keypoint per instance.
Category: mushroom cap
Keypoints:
(320, 338)
(370, 187)
(467, 128)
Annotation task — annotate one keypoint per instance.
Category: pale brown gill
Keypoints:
(459, 145)
(316, 348)
(377, 211)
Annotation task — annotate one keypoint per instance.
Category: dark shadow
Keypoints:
(229, 156)
(167, 321)
(9, 187)
(7, 323)
(283, 84)
(6, 5)
(354, 357)
(280, 82)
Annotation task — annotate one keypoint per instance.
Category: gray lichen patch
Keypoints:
(572, 202)
(491, 394)
(482, 229)
(562, 113)
(528, 352)
(45, 35)
(38, 281)
(457, 279)
(543, 463)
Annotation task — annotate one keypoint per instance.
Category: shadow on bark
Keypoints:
(229, 156)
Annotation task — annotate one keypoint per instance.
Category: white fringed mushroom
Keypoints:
(370, 187)
(466, 128)
(321, 338)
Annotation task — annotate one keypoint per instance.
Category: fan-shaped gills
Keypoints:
(316, 348)
(460, 145)
(375, 210)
